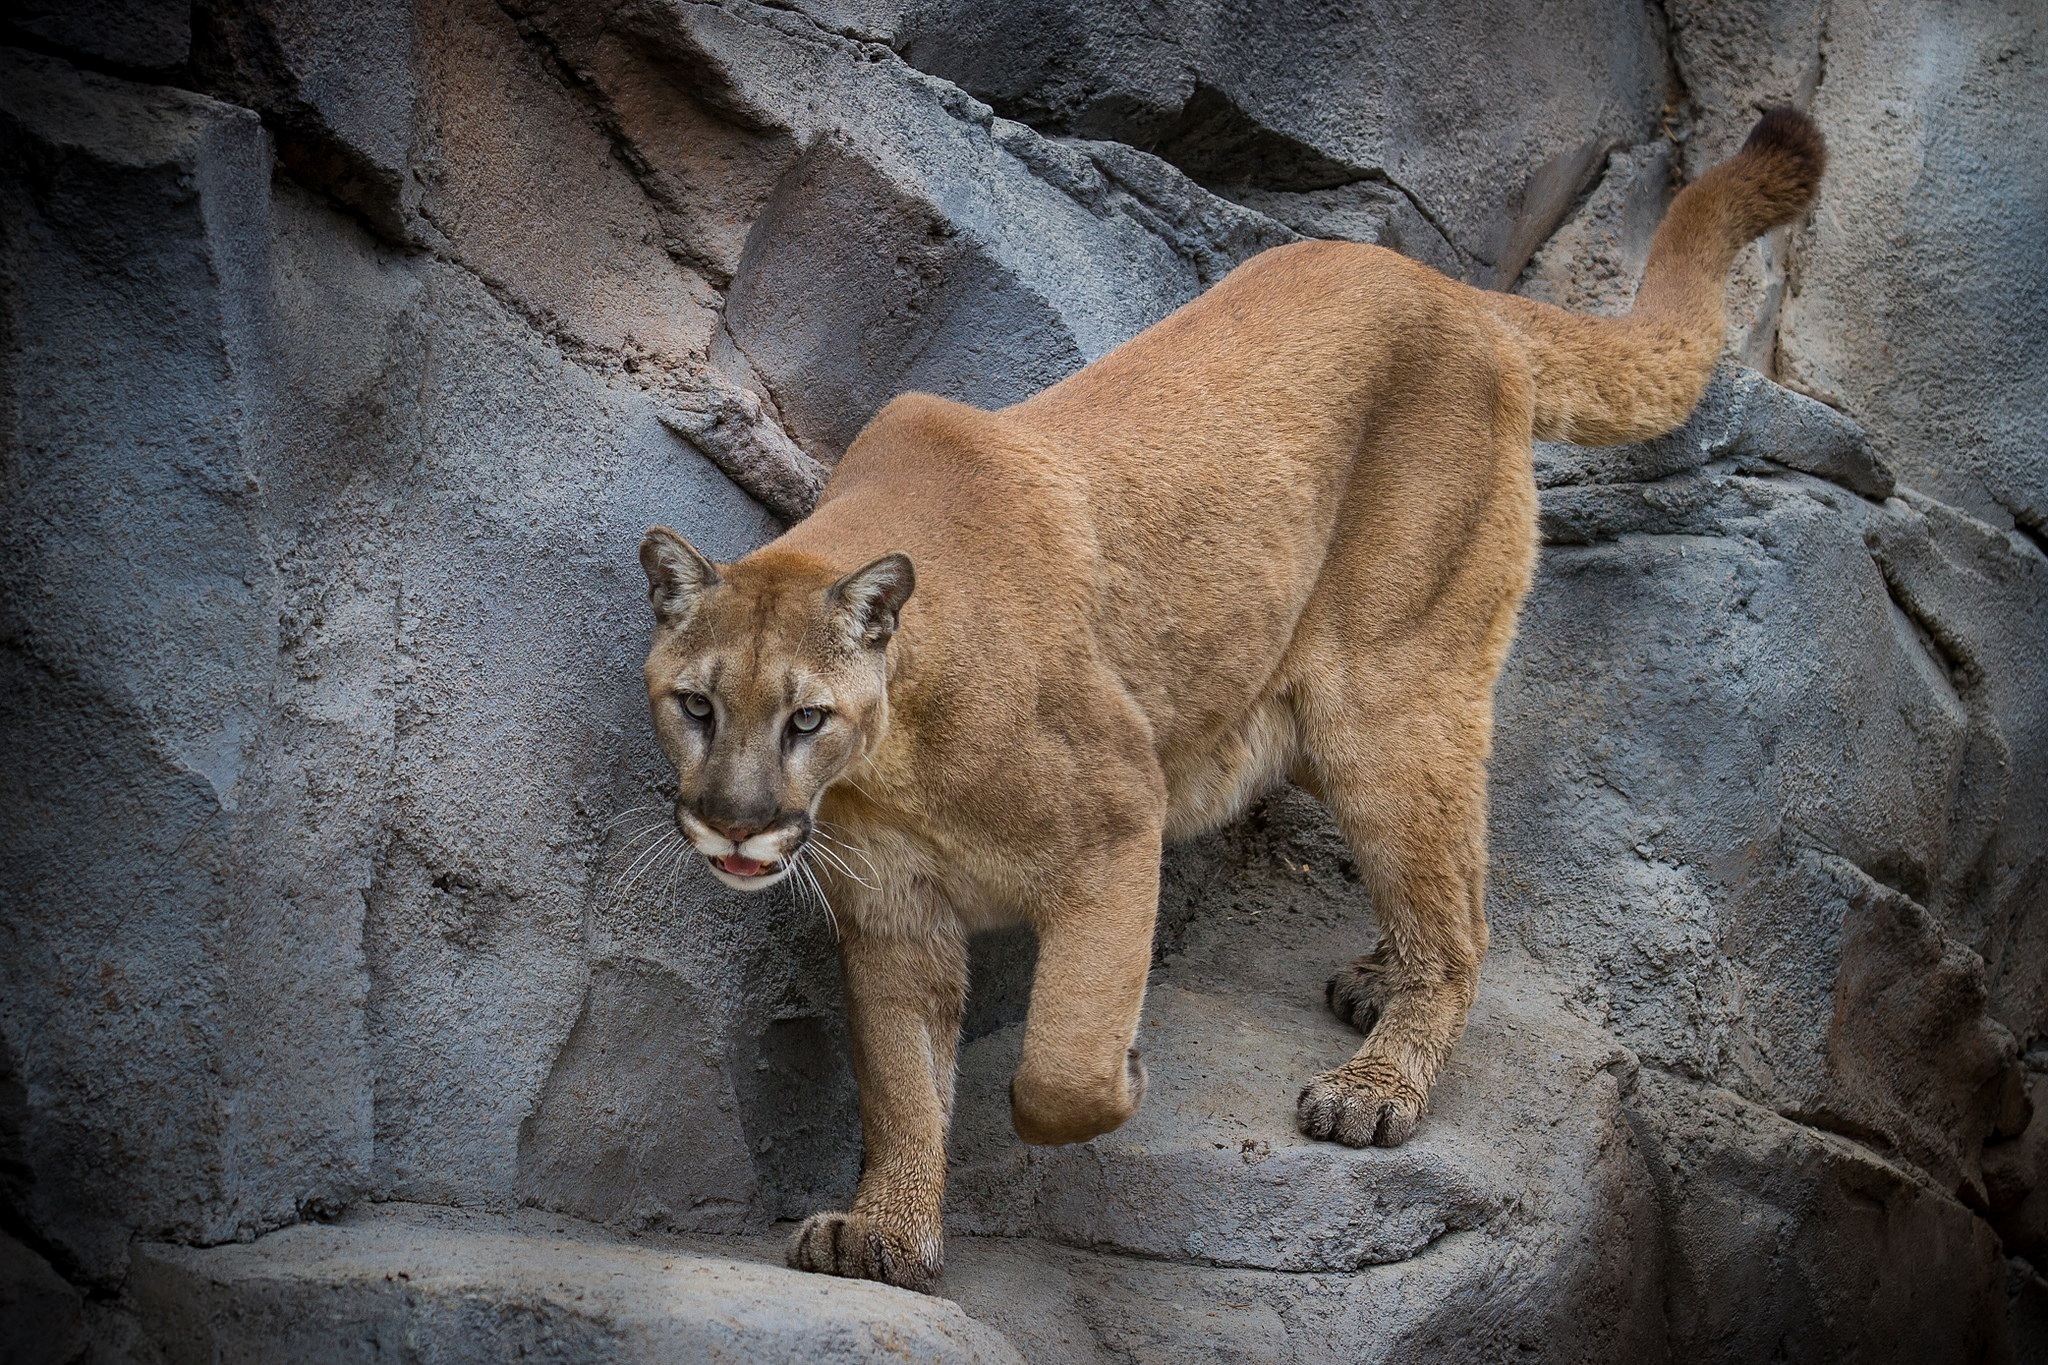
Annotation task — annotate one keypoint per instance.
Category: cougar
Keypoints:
(1282, 534)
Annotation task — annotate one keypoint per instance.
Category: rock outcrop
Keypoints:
(350, 999)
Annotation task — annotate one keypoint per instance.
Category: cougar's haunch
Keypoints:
(1282, 533)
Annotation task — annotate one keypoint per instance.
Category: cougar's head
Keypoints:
(768, 679)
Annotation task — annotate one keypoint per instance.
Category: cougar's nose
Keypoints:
(737, 832)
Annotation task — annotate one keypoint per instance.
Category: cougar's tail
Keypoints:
(1601, 381)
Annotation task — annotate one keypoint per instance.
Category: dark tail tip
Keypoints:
(1785, 131)
(1793, 142)
(1790, 156)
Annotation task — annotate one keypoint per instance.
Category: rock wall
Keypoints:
(346, 351)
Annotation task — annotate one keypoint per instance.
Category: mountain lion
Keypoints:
(1281, 534)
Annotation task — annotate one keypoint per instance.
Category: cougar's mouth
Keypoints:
(742, 873)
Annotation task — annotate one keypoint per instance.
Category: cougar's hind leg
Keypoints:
(1408, 789)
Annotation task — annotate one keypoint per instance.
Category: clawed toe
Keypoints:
(1357, 1113)
(852, 1246)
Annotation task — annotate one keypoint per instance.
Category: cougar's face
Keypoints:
(767, 681)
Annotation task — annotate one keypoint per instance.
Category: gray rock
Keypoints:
(1362, 211)
(1923, 278)
(1764, 878)
(443, 1285)
(320, 456)
(1782, 1239)
(42, 1317)
(147, 35)
(508, 137)
(1594, 261)
(1735, 60)
(1217, 90)
(183, 999)
(1743, 419)
(478, 926)
(338, 88)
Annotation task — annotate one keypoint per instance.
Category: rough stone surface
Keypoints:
(148, 35)
(1487, 121)
(1790, 1243)
(439, 1285)
(345, 352)
(1922, 283)
(183, 998)
(42, 1317)
(338, 88)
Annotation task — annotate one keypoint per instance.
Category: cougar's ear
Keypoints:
(677, 575)
(870, 599)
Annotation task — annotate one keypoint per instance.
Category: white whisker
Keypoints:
(824, 851)
(630, 843)
(865, 793)
(843, 841)
(622, 816)
(800, 869)
(646, 859)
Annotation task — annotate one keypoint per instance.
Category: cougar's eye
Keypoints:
(806, 720)
(697, 705)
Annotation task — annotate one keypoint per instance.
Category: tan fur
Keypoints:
(1285, 532)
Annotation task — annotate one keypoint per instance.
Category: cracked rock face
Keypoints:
(347, 350)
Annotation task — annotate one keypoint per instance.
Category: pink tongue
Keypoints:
(741, 867)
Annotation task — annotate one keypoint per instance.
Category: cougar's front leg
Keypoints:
(904, 997)
(1080, 1075)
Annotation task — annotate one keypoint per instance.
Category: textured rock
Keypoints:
(149, 35)
(1595, 259)
(338, 88)
(1488, 120)
(321, 455)
(438, 1285)
(1790, 1243)
(1923, 279)
(182, 1005)
(42, 1318)
(1738, 889)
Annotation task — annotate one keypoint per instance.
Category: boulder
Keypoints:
(1770, 875)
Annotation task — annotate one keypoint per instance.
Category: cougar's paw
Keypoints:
(853, 1245)
(1358, 993)
(1359, 1110)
